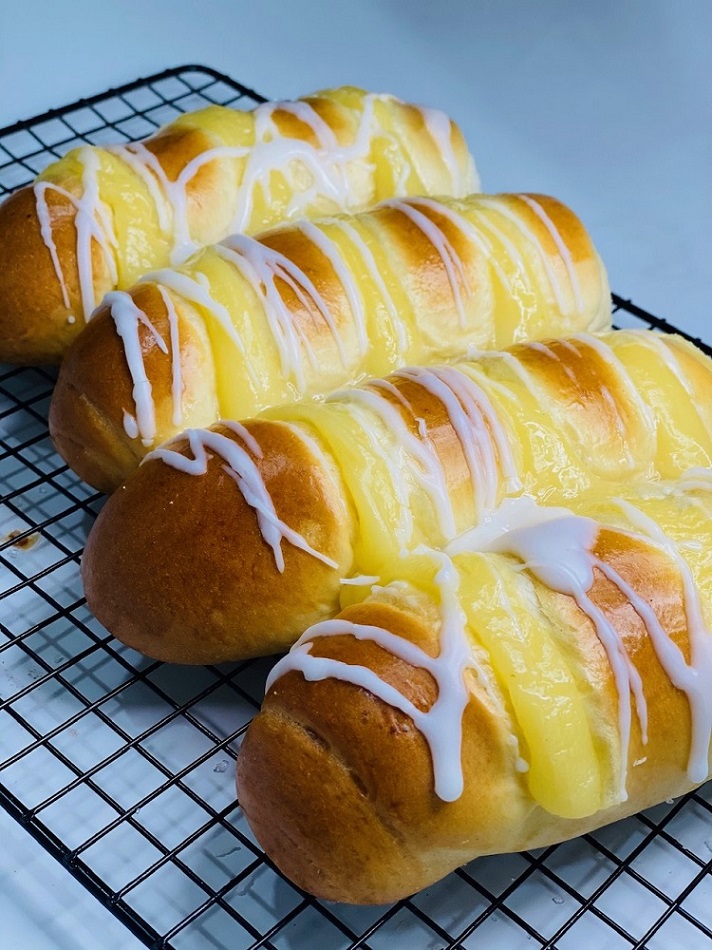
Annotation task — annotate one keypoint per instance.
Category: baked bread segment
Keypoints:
(195, 548)
(548, 674)
(416, 458)
(312, 306)
(101, 217)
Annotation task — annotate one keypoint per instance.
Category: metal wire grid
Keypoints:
(123, 768)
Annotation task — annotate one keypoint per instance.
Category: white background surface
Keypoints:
(606, 105)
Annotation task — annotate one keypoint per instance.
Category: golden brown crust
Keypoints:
(578, 240)
(339, 119)
(94, 388)
(420, 265)
(338, 785)
(318, 269)
(209, 190)
(35, 325)
(328, 755)
(361, 818)
(176, 147)
(149, 588)
(421, 411)
(590, 394)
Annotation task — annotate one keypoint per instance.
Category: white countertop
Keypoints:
(607, 106)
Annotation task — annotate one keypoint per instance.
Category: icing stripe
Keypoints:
(242, 469)
(560, 246)
(454, 266)
(127, 317)
(176, 373)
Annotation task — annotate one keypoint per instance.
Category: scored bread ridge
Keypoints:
(417, 458)
(101, 217)
(208, 545)
(313, 306)
(339, 785)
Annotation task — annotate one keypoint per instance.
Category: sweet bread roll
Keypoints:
(99, 218)
(228, 541)
(550, 673)
(306, 308)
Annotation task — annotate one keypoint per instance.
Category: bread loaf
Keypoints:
(228, 541)
(254, 323)
(101, 217)
(549, 673)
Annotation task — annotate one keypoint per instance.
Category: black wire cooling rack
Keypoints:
(123, 768)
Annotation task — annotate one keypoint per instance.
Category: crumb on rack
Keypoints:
(25, 542)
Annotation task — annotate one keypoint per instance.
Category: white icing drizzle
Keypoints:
(560, 246)
(473, 433)
(454, 266)
(370, 261)
(271, 152)
(325, 162)
(145, 164)
(197, 291)
(92, 221)
(468, 229)
(130, 425)
(346, 278)
(360, 580)
(555, 546)
(694, 678)
(501, 208)
(482, 436)
(396, 393)
(484, 440)
(240, 466)
(89, 209)
(387, 386)
(127, 317)
(176, 373)
(45, 220)
(441, 724)
(261, 266)
(439, 127)
(428, 472)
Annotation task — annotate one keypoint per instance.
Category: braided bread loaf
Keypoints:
(229, 541)
(249, 324)
(99, 218)
(550, 673)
